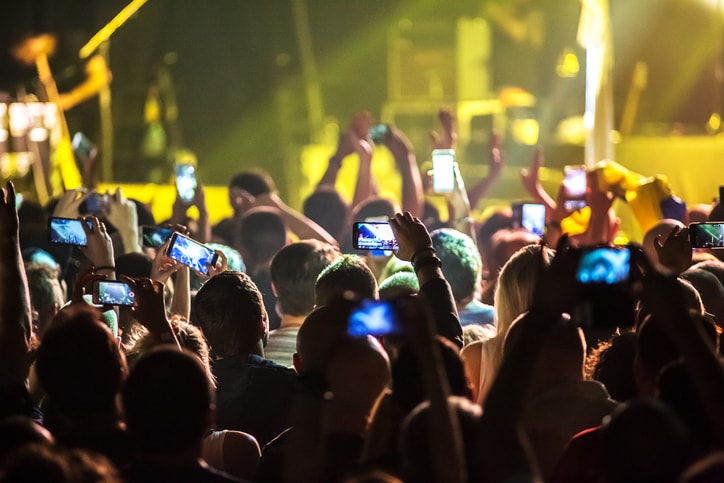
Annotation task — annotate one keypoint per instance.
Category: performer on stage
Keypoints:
(34, 33)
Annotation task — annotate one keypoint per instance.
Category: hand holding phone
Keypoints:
(191, 253)
(707, 235)
(575, 186)
(155, 236)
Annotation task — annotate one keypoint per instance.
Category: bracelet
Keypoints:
(425, 261)
(421, 251)
(104, 267)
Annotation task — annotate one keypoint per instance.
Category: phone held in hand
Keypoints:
(707, 235)
(605, 296)
(67, 231)
(191, 253)
(443, 170)
(373, 235)
(154, 236)
(574, 186)
(95, 204)
(186, 181)
(375, 318)
(530, 216)
(378, 132)
(106, 292)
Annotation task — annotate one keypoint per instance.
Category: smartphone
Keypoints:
(94, 204)
(113, 293)
(67, 231)
(604, 265)
(154, 236)
(373, 235)
(575, 185)
(378, 133)
(443, 170)
(707, 235)
(191, 253)
(530, 216)
(185, 181)
(82, 146)
(375, 318)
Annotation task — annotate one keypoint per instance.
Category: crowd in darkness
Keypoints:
(488, 358)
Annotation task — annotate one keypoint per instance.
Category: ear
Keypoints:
(297, 363)
(274, 289)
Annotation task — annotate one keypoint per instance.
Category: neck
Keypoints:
(292, 320)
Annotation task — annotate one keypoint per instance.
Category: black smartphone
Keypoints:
(154, 236)
(707, 235)
(373, 235)
(94, 204)
(443, 170)
(375, 318)
(191, 253)
(185, 181)
(530, 216)
(67, 231)
(378, 133)
(574, 185)
(106, 292)
(604, 265)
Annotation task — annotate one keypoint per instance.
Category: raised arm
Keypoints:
(531, 182)
(496, 161)
(15, 317)
(122, 214)
(401, 149)
(303, 227)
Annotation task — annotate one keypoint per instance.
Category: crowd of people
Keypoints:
(478, 352)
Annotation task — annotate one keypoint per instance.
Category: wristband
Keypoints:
(104, 267)
(421, 252)
(425, 261)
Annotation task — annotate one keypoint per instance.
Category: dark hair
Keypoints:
(262, 233)
(167, 400)
(460, 259)
(229, 309)
(614, 366)
(349, 273)
(373, 207)
(327, 208)
(256, 182)
(407, 386)
(43, 285)
(133, 265)
(294, 271)
(79, 363)
(399, 284)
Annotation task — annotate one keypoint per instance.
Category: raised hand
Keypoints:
(448, 138)
(69, 203)
(530, 176)
(411, 234)
(99, 249)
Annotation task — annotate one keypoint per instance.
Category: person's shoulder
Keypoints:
(269, 365)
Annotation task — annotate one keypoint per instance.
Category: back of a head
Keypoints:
(79, 363)
(294, 271)
(46, 295)
(614, 367)
(320, 334)
(517, 282)
(505, 244)
(167, 401)
(460, 259)
(494, 223)
(710, 289)
(327, 208)
(407, 381)
(133, 265)
(348, 273)
(262, 233)
(417, 446)
(374, 208)
(51, 464)
(398, 285)
(230, 311)
(255, 182)
(645, 442)
(715, 267)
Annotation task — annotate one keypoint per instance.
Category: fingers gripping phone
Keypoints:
(191, 253)
(373, 235)
(443, 170)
